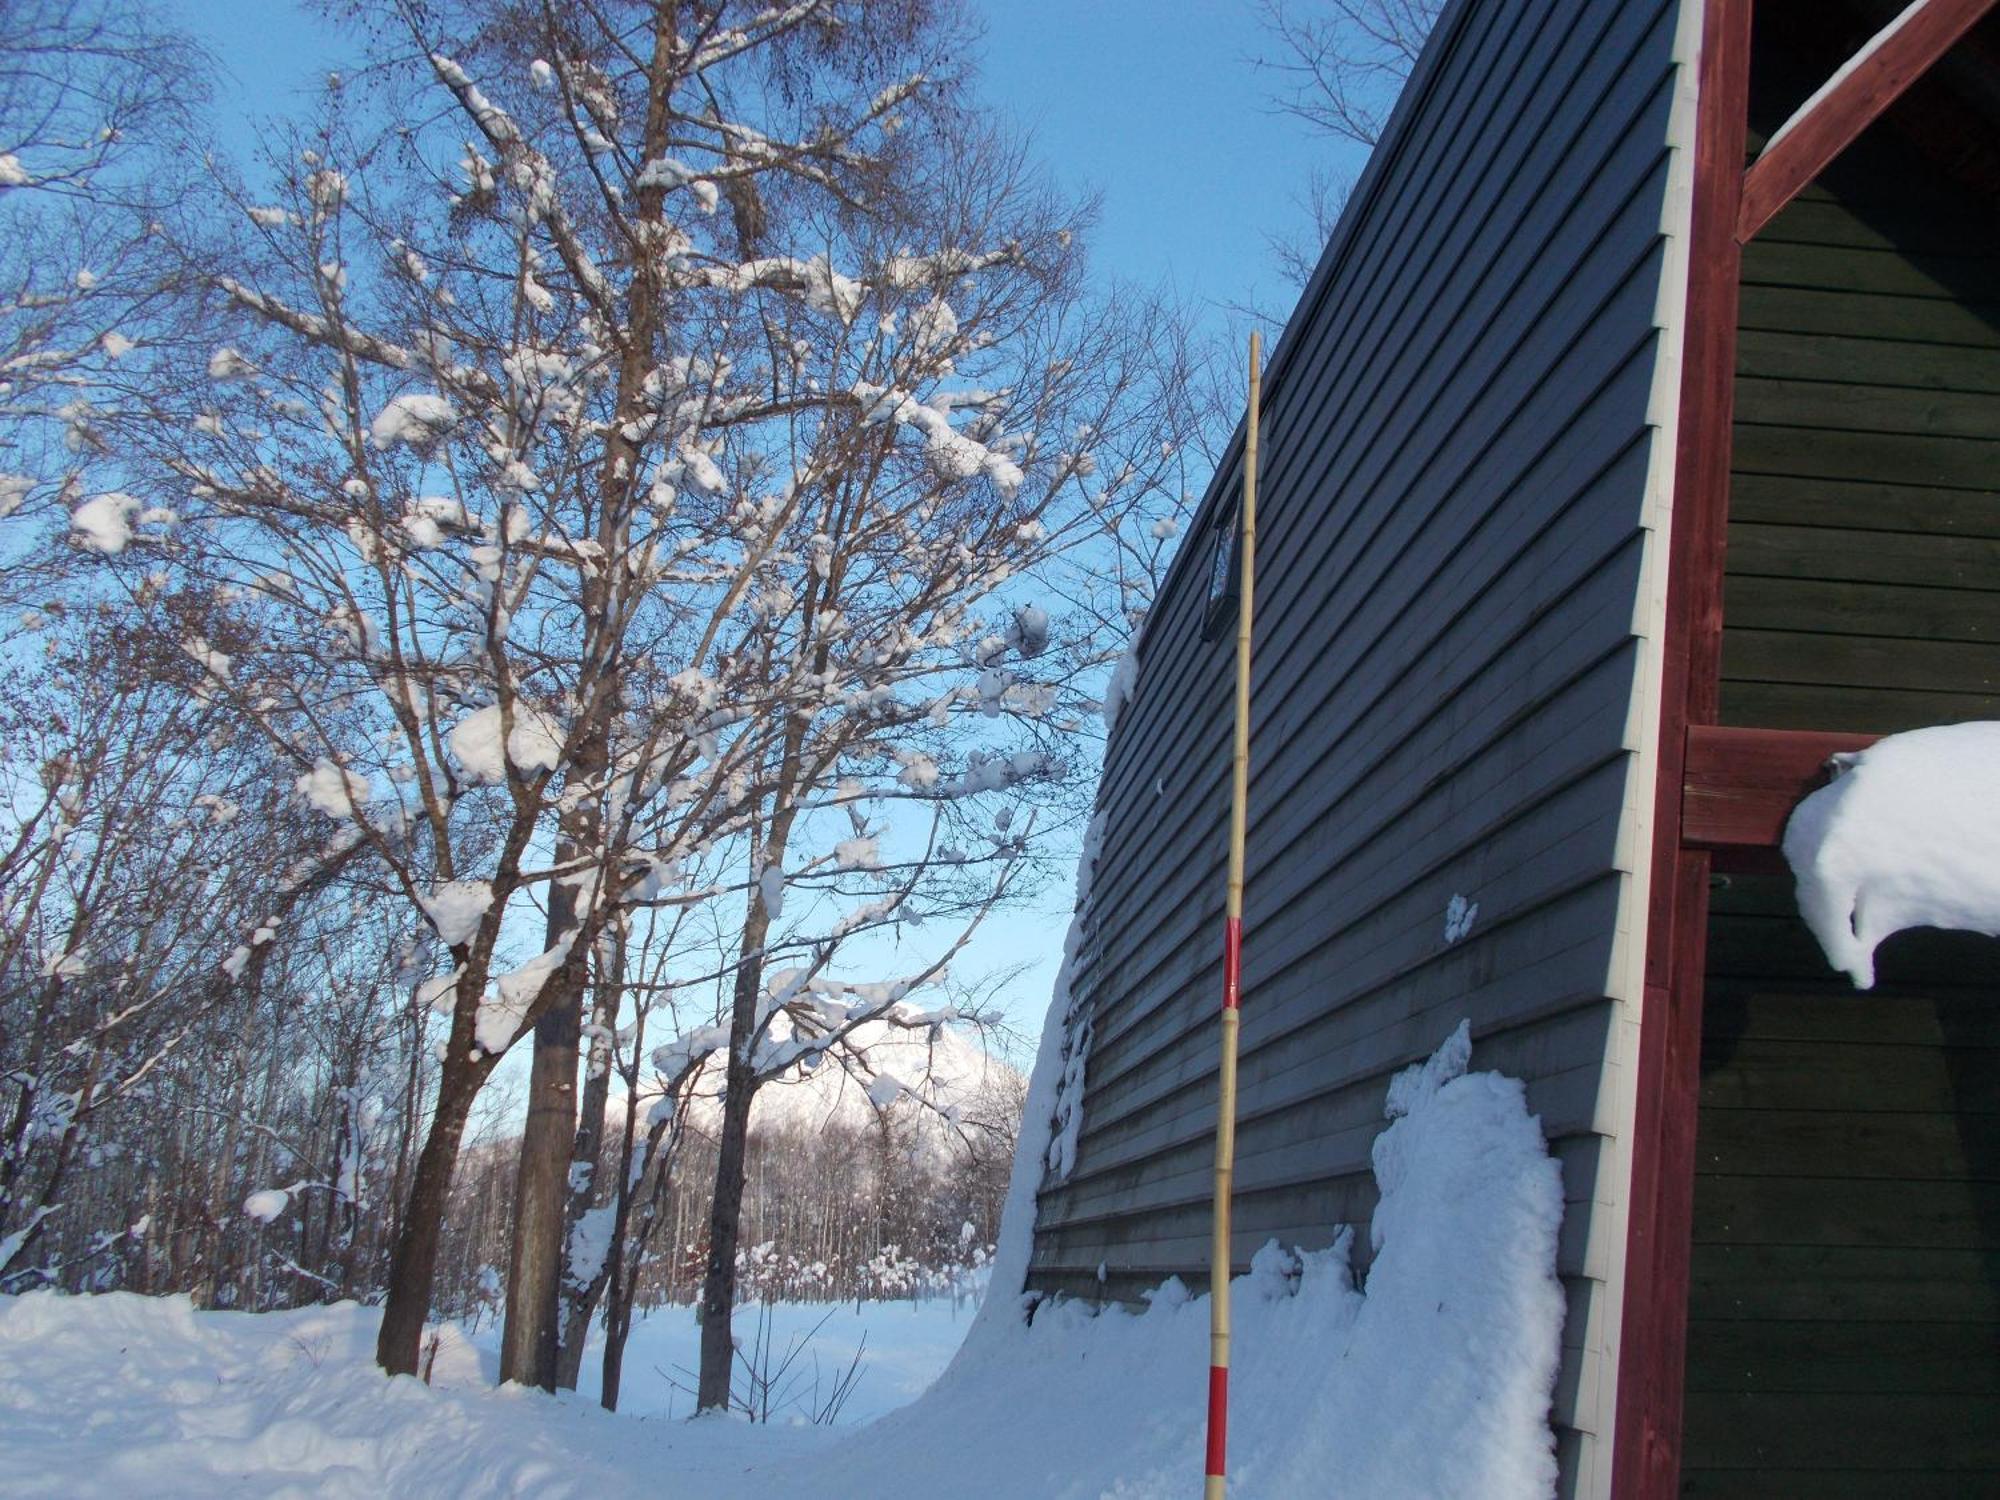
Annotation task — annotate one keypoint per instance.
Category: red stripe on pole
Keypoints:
(1218, 1420)
(1232, 959)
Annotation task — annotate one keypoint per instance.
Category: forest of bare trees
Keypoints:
(596, 543)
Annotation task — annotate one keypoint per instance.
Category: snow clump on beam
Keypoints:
(1906, 835)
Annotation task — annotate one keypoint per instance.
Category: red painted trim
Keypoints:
(1232, 961)
(1740, 785)
(1848, 108)
(1218, 1421)
(1651, 1373)
(1647, 1422)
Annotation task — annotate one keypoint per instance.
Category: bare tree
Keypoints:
(96, 99)
(1341, 63)
(584, 536)
(143, 845)
(1338, 66)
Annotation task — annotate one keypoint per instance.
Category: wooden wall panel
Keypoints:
(1455, 454)
(1844, 1308)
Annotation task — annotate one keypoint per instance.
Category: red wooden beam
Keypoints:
(1646, 1431)
(1740, 785)
(1826, 124)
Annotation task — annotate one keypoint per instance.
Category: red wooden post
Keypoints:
(1717, 789)
(1828, 122)
(1652, 1342)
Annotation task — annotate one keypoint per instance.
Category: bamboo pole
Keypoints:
(1232, 964)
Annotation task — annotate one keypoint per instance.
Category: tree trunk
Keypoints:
(579, 1297)
(530, 1339)
(250, 1275)
(725, 1219)
(617, 1324)
(541, 1182)
(413, 1266)
(621, 1262)
(218, 1205)
(531, 1342)
(629, 1241)
(624, 1263)
(718, 1289)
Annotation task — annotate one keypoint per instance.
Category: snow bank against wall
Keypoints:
(1907, 834)
(1433, 1381)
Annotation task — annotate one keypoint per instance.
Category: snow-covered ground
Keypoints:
(120, 1395)
(903, 1346)
(1434, 1381)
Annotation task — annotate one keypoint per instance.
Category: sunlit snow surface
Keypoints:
(1907, 834)
(1435, 1382)
(126, 1396)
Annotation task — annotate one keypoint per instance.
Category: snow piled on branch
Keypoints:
(266, 1204)
(456, 909)
(953, 454)
(332, 789)
(103, 523)
(533, 744)
(1906, 835)
(502, 1013)
(418, 419)
(859, 853)
(589, 1244)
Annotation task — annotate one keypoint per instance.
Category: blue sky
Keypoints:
(1154, 104)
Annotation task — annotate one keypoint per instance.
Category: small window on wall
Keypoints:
(1225, 575)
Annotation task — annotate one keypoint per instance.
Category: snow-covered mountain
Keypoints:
(937, 1085)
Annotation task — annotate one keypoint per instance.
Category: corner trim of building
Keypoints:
(1651, 1323)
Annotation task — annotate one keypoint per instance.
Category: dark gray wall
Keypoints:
(1456, 462)
(1863, 573)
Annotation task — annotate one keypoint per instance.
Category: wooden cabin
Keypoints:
(1635, 444)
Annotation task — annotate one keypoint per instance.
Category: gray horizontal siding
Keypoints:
(1449, 565)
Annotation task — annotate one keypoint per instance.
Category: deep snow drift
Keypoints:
(121, 1395)
(1907, 834)
(1433, 1382)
